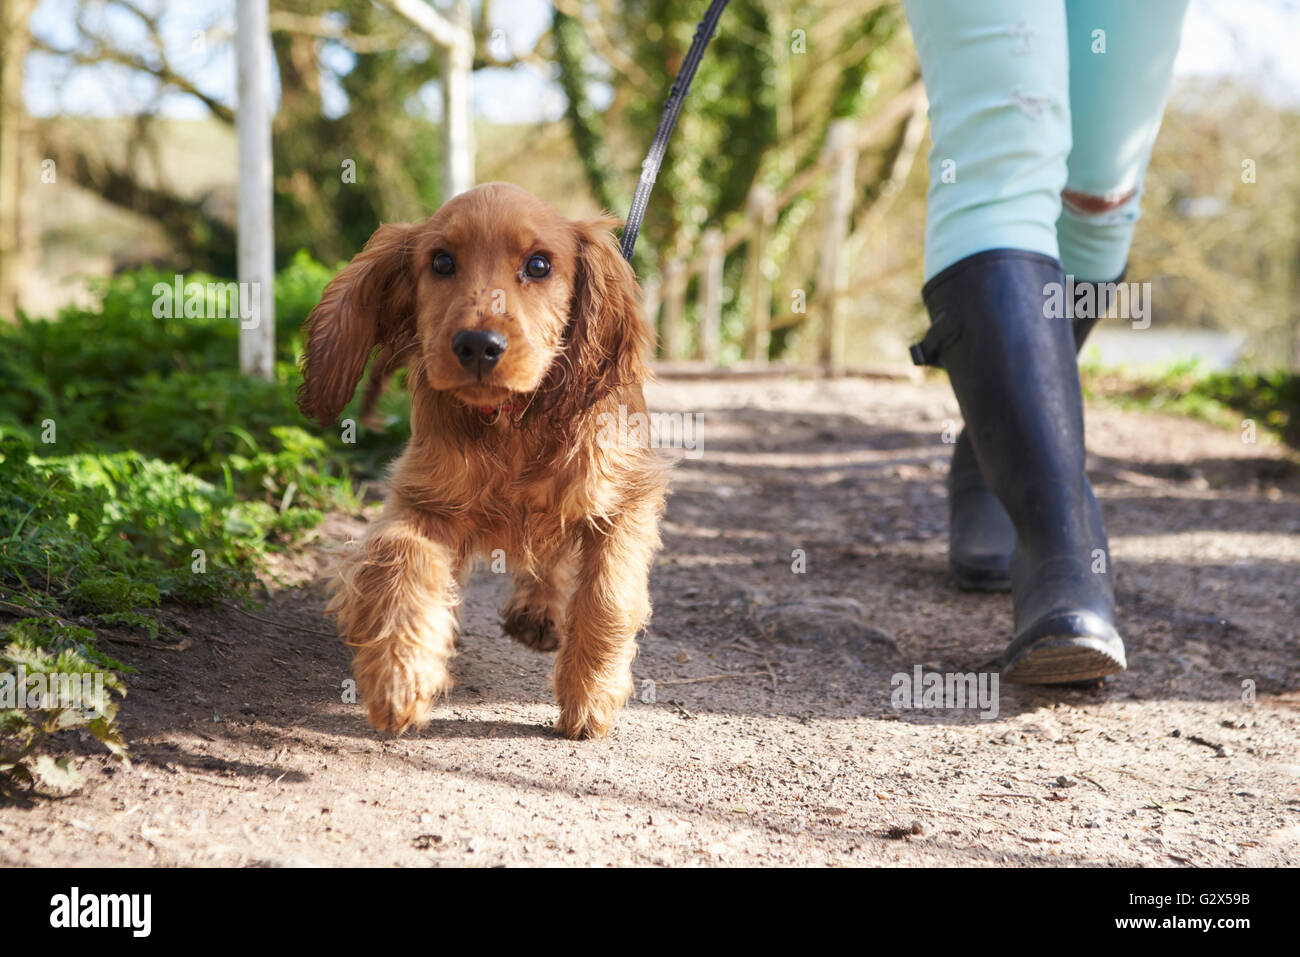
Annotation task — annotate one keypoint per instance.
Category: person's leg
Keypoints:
(1121, 61)
(998, 82)
(997, 74)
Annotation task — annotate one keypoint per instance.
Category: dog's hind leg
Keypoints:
(534, 616)
(611, 603)
(396, 601)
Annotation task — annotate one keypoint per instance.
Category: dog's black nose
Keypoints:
(478, 350)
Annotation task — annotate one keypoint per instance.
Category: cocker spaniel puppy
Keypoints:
(523, 335)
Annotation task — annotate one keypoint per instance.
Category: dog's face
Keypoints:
(496, 299)
(495, 272)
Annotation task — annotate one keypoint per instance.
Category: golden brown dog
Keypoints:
(520, 329)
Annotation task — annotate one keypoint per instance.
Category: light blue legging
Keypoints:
(1030, 99)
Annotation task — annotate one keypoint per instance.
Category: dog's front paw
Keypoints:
(531, 627)
(586, 721)
(586, 714)
(399, 692)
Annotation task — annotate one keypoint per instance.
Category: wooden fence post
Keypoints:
(710, 332)
(651, 297)
(832, 276)
(673, 319)
(758, 334)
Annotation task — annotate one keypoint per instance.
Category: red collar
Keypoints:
(494, 409)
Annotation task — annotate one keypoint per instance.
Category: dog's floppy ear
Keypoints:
(608, 338)
(371, 301)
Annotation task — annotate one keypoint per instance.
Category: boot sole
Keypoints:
(1066, 649)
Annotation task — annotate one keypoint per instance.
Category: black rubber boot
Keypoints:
(980, 533)
(1014, 372)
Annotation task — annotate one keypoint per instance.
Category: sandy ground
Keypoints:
(763, 732)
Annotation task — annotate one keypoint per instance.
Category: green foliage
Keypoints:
(113, 534)
(1271, 398)
(138, 468)
(586, 123)
(1227, 398)
(76, 686)
(390, 169)
(724, 131)
(113, 592)
(760, 107)
(871, 35)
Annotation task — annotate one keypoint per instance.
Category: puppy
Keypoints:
(523, 335)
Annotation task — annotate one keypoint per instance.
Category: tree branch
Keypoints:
(433, 24)
(283, 21)
(162, 74)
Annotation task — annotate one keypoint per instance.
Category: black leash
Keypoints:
(672, 106)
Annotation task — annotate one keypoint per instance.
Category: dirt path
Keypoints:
(244, 752)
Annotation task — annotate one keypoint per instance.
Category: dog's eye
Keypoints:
(444, 265)
(537, 267)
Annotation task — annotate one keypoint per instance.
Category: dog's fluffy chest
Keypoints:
(488, 495)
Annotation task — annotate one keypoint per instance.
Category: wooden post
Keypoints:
(256, 247)
(673, 332)
(758, 334)
(832, 276)
(714, 253)
(651, 297)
